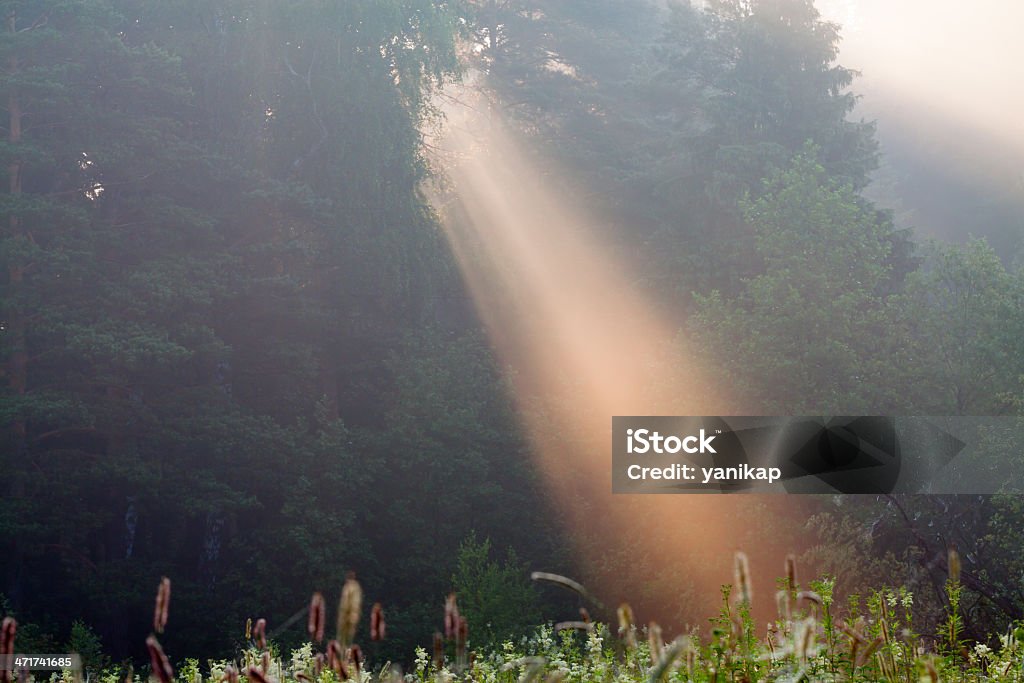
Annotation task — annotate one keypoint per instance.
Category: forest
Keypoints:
(293, 289)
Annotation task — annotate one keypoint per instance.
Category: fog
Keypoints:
(942, 79)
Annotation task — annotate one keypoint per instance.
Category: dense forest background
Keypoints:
(238, 352)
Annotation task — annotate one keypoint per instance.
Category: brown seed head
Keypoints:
(461, 636)
(451, 616)
(378, 628)
(350, 605)
(810, 596)
(626, 630)
(655, 641)
(318, 664)
(163, 603)
(741, 569)
(355, 655)
(954, 565)
(782, 604)
(791, 572)
(260, 633)
(255, 675)
(930, 670)
(158, 660)
(872, 648)
(438, 650)
(336, 659)
(7, 632)
(317, 612)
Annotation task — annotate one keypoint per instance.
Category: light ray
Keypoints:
(583, 345)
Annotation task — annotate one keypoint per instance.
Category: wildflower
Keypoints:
(421, 661)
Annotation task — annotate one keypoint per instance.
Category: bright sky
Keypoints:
(944, 61)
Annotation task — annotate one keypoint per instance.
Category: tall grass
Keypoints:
(872, 639)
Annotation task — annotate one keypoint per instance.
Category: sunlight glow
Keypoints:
(582, 345)
(946, 73)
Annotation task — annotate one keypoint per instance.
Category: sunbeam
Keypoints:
(583, 345)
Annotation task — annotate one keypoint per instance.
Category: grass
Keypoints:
(870, 639)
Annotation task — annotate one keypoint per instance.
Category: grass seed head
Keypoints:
(163, 601)
(318, 664)
(782, 604)
(158, 660)
(438, 650)
(791, 572)
(954, 565)
(461, 636)
(655, 640)
(870, 650)
(627, 631)
(810, 596)
(350, 605)
(7, 632)
(260, 633)
(355, 655)
(378, 627)
(451, 616)
(803, 638)
(317, 618)
(336, 659)
(741, 569)
(255, 675)
(929, 669)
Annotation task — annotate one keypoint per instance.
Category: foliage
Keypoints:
(874, 638)
(497, 598)
(808, 334)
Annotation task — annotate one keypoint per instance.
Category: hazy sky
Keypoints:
(964, 61)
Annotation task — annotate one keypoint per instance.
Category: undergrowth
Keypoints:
(870, 638)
